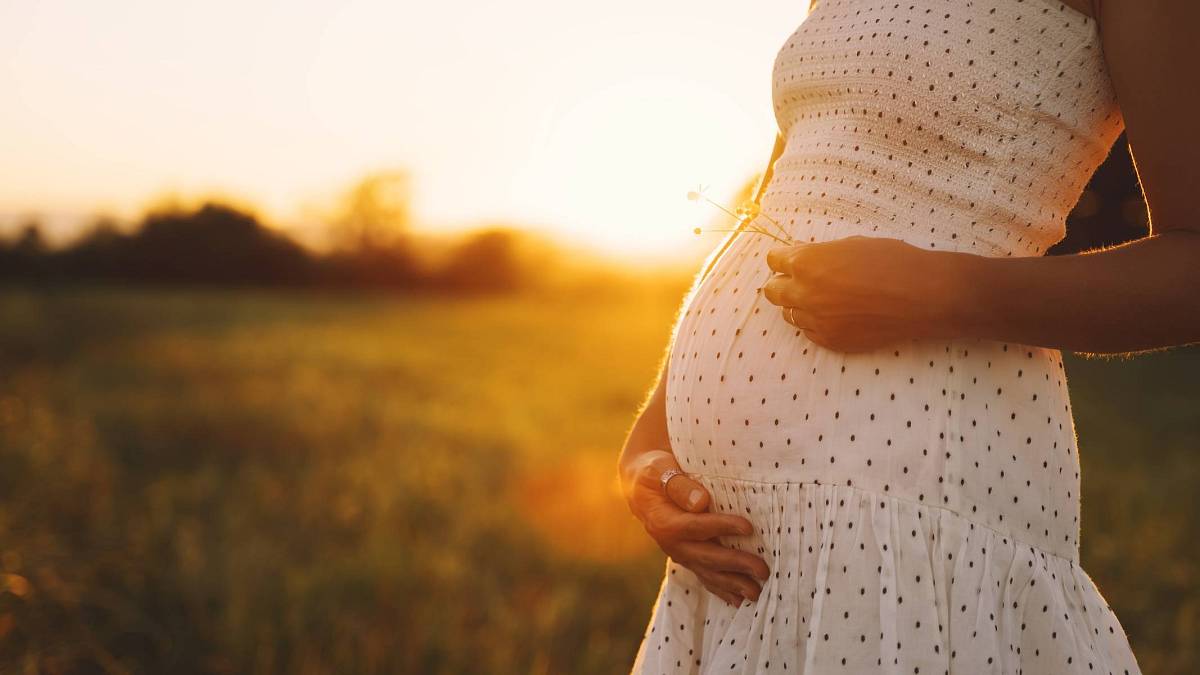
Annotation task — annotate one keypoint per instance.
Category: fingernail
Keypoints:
(747, 529)
(694, 497)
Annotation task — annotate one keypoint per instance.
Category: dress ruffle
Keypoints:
(869, 583)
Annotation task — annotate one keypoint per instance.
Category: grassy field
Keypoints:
(229, 482)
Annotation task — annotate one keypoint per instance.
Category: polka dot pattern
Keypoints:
(918, 504)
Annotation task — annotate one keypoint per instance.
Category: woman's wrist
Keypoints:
(649, 433)
(964, 310)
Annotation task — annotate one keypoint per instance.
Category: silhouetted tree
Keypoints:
(103, 252)
(374, 213)
(370, 235)
(215, 244)
(487, 261)
(26, 257)
(31, 242)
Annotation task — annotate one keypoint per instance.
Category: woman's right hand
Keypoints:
(680, 523)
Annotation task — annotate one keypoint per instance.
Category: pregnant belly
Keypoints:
(749, 396)
(938, 422)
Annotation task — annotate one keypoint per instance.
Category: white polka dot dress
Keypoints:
(918, 505)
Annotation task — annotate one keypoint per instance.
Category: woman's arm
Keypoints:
(861, 293)
(649, 430)
(1144, 294)
(1139, 296)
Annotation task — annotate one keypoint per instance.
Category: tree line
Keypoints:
(220, 244)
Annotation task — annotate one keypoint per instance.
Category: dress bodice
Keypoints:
(971, 125)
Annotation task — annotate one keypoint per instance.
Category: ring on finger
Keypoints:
(667, 476)
(791, 312)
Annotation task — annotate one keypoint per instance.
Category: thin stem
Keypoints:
(781, 228)
(744, 223)
(762, 230)
(734, 215)
(757, 230)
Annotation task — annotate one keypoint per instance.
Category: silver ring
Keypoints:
(667, 476)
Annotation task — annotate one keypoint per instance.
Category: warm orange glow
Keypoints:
(577, 508)
(591, 121)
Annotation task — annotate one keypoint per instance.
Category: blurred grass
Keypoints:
(219, 482)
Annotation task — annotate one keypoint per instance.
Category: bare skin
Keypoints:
(861, 293)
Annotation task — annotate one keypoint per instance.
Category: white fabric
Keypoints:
(918, 505)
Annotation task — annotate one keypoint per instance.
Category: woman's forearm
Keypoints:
(649, 431)
(1138, 296)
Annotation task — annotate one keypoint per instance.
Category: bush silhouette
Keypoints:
(486, 261)
(216, 244)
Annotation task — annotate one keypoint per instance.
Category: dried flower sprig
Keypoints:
(744, 214)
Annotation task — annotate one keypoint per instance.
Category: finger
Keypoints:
(772, 290)
(713, 556)
(798, 317)
(652, 465)
(645, 492)
(732, 599)
(783, 290)
(732, 582)
(704, 526)
(721, 587)
(712, 587)
(780, 258)
(671, 526)
(687, 493)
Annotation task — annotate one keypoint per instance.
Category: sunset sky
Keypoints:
(591, 120)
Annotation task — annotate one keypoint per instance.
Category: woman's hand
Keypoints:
(678, 521)
(861, 293)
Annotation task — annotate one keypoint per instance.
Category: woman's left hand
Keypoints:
(861, 293)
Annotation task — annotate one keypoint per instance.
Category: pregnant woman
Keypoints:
(860, 455)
